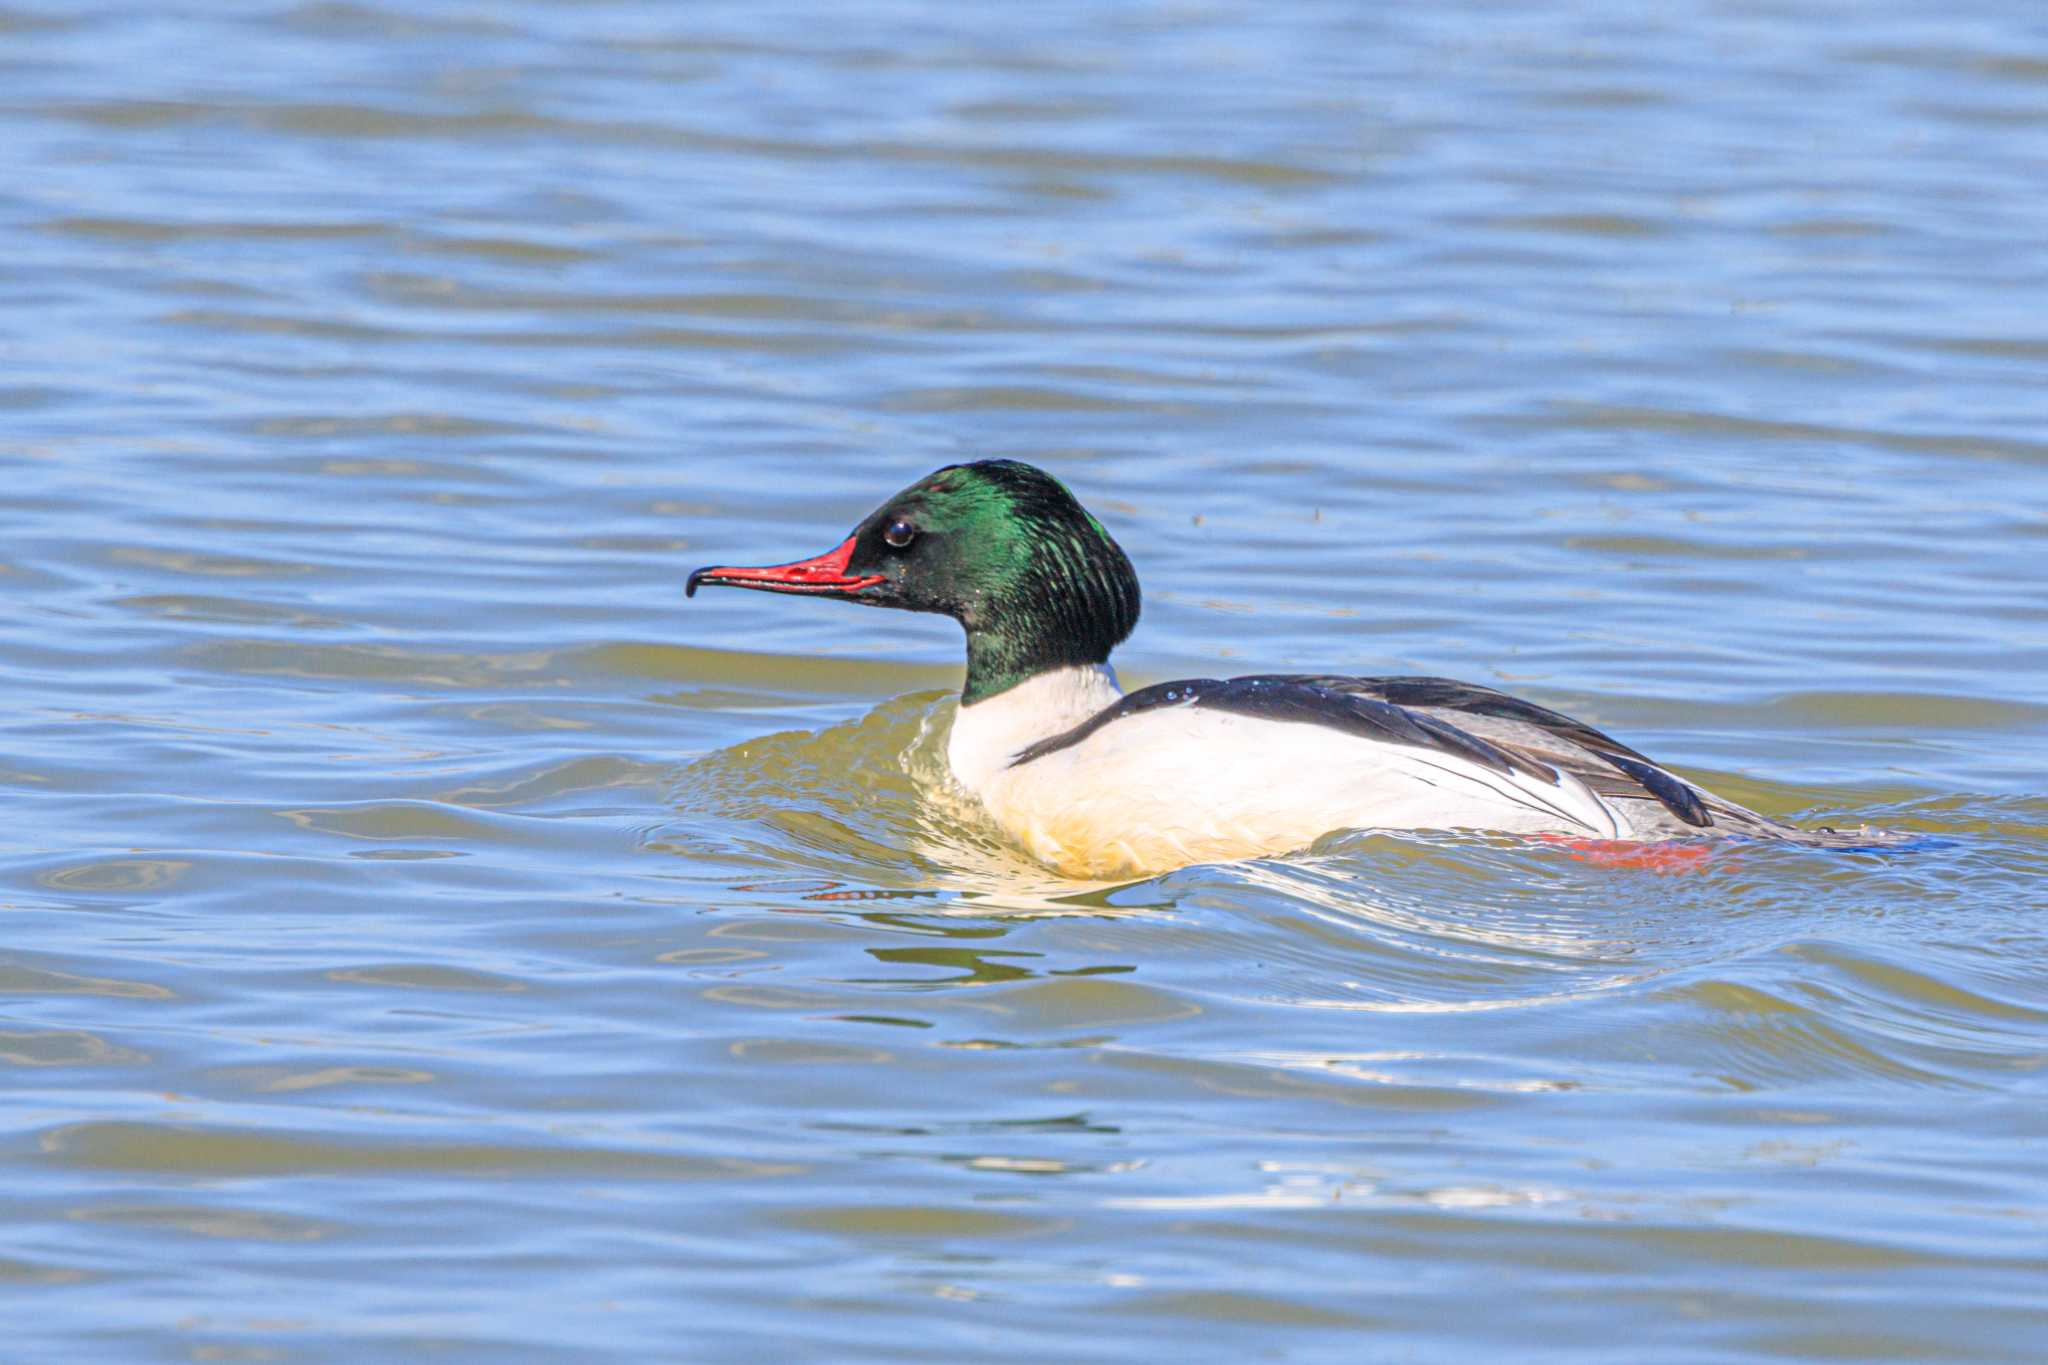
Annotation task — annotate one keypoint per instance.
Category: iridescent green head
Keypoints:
(1001, 547)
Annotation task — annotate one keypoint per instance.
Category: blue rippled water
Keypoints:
(428, 937)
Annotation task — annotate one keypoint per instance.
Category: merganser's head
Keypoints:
(1001, 547)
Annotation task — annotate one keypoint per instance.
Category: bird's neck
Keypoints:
(1020, 648)
(991, 730)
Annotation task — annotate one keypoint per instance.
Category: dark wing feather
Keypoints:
(1448, 694)
(1305, 701)
(1678, 797)
(1542, 735)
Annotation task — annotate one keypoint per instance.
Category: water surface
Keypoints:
(430, 937)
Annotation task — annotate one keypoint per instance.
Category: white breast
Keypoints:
(988, 734)
(1180, 785)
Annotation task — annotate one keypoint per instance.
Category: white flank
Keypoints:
(1179, 785)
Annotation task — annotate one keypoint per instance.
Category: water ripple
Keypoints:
(430, 933)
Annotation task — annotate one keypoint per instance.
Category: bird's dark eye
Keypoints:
(899, 533)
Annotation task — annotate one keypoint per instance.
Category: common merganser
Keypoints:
(1096, 783)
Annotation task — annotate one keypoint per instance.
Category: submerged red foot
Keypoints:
(1669, 857)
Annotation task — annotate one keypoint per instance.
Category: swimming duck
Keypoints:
(1098, 783)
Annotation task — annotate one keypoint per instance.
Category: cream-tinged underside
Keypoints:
(1180, 785)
